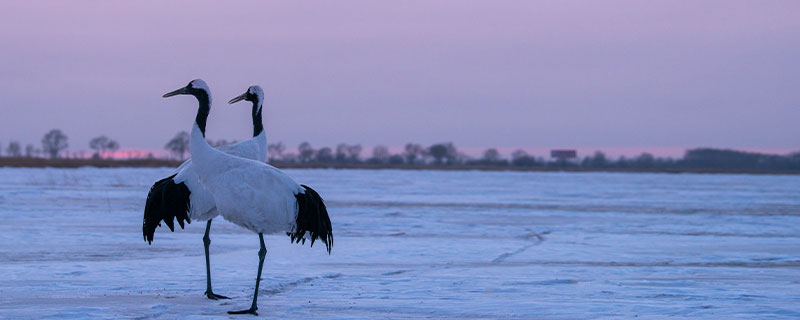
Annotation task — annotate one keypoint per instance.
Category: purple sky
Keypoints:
(617, 75)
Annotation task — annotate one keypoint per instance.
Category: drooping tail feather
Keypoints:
(312, 217)
(165, 201)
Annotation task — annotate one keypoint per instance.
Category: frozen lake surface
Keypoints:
(415, 244)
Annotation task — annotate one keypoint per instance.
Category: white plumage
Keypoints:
(182, 196)
(166, 199)
(202, 206)
(251, 194)
(248, 193)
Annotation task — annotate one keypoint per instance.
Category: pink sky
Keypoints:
(611, 75)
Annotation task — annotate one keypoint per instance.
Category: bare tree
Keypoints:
(101, 145)
(522, 159)
(112, 146)
(413, 152)
(453, 156)
(443, 151)
(396, 159)
(599, 160)
(275, 150)
(380, 154)
(98, 145)
(305, 152)
(347, 153)
(354, 152)
(289, 157)
(325, 155)
(13, 149)
(54, 142)
(30, 151)
(645, 160)
(491, 156)
(179, 144)
(341, 152)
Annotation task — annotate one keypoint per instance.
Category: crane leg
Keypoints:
(261, 254)
(207, 242)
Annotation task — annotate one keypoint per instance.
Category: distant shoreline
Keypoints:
(166, 163)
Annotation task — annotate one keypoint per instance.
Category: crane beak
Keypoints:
(239, 98)
(175, 93)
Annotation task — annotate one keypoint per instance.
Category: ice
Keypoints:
(415, 244)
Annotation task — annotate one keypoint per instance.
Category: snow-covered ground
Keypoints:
(415, 244)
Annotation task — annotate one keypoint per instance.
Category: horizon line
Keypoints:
(474, 152)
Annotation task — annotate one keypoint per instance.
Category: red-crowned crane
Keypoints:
(253, 194)
(181, 196)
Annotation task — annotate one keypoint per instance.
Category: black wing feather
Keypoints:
(312, 217)
(166, 201)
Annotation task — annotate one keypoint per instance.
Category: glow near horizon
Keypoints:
(607, 76)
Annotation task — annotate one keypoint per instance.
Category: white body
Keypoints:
(248, 193)
(203, 206)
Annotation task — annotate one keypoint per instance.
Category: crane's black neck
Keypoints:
(258, 125)
(204, 106)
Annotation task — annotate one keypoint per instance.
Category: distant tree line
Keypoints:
(413, 154)
(446, 154)
(54, 145)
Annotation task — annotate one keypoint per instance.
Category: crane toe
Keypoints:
(214, 296)
(248, 311)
